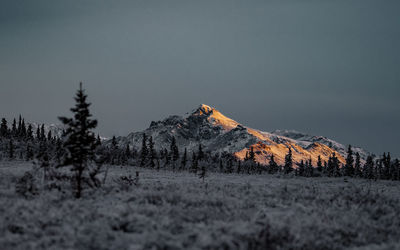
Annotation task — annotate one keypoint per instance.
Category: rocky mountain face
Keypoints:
(218, 133)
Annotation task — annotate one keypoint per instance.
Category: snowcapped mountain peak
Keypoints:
(203, 109)
(214, 117)
(220, 134)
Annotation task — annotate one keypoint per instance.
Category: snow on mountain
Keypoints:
(56, 129)
(305, 140)
(218, 133)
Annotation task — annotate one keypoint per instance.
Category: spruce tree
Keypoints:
(38, 133)
(167, 157)
(29, 132)
(3, 128)
(14, 128)
(357, 166)
(272, 165)
(144, 152)
(386, 161)
(98, 140)
(288, 167)
(127, 152)
(184, 159)
(310, 168)
(22, 133)
(19, 126)
(152, 153)
(319, 164)
(195, 163)
(333, 165)
(80, 141)
(396, 170)
(114, 153)
(200, 153)
(252, 157)
(114, 143)
(49, 136)
(42, 133)
(174, 150)
(349, 167)
(368, 169)
(378, 169)
(393, 170)
(301, 168)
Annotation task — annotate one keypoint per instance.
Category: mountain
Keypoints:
(56, 129)
(218, 133)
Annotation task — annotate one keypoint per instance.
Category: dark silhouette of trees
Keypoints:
(288, 167)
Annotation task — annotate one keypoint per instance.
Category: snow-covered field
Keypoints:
(168, 210)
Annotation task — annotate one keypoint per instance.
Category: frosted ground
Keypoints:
(179, 211)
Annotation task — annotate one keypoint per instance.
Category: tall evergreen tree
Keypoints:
(319, 164)
(152, 153)
(98, 140)
(200, 153)
(368, 169)
(386, 161)
(29, 132)
(114, 154)
(378, 173)
(195, 163)
(144, 151)
(357, 166)
(174, 150)
(38, 133)
(396, 170)
(3, 128)
(14, 128)
(288, 167)
(333, 165)
(393, 170)
(42, 133)
(80, 141)
(301, 168)
(114, 143)
(22, 132)
(127, 152)
(349, 167)
(49, 136)
(309, 168)
(252, 156)
(19, 126)
(272, 166)
(184, 159)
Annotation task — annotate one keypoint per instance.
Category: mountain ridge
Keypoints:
(218, 133)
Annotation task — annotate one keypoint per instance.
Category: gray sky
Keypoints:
(324, 67)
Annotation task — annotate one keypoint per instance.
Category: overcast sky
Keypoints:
(327, 68)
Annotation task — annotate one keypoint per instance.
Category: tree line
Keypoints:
(85, 153)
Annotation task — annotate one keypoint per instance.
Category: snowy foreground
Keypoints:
(169, 210)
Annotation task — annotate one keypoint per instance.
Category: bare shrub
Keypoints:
(126, 182)
(26, 185)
